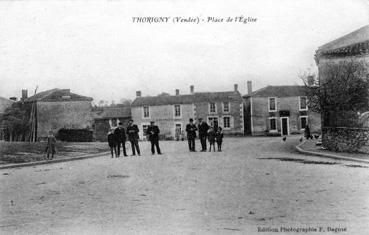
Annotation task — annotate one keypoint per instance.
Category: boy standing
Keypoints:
(219, 138)
(112, 143)
(50, 148)
(211, 138)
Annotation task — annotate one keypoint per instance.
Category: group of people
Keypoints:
(211, 133)
(117, 137)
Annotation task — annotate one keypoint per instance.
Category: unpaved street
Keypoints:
(254, 183)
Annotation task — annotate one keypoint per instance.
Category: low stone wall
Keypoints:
(345, 139)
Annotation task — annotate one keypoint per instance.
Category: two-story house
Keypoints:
(172, 112)
(278, 110)
(58, 109)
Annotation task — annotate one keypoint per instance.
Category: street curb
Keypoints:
(53, 161)
(327, 155)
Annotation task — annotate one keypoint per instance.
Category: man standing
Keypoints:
(120, 138)
(203, 133)
(191, 135)
(132, 131)
(153, 134)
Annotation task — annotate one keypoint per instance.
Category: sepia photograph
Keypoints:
(184, 117)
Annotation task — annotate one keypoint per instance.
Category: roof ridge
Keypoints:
(345, 39)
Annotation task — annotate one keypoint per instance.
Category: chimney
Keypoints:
(192, 89)
(13, 98)
(235, 87)
(249, 87)
(177, 91)
(24, 94)
(138, 94)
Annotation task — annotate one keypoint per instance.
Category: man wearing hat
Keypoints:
(132, 132)
(191, 135)
(120, 138)
(203, 133)
(153, 134)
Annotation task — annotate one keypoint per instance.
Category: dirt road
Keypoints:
(255, 184)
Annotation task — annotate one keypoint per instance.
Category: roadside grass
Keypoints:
(20, 152)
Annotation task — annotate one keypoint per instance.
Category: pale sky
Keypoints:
(94, 48)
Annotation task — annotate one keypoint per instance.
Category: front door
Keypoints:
(284, 126)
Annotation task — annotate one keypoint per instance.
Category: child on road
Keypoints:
(211, 138)
(112, 144)
(50, 147)
(219, 138)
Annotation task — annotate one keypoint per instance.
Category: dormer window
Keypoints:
(66, 97)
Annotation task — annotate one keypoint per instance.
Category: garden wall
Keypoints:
(346, 139)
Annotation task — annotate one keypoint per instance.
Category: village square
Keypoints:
(191, 153)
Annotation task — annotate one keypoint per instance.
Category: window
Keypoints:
(226, 122)
(146, 113)
(272, 104)
(212, 108)
(303, 122)
(273, 124)
(144, 129)
(226, 107)
(177, 110)
(303, 103)
(213, 121)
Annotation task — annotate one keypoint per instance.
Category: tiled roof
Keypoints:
(279, 91)
(5, 103)
(197, 97)
(163, 100)
(58, 95)
(113, 112)
(358, 36)
(217, 96)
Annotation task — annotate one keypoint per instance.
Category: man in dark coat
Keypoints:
(132, 132)
(191, 135)
(203, 133)
(153, 134)
(120, 138)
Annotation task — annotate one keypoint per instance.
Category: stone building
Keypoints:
(107, 118)
(60, 108)
(172, 112)
(4, 104)
(278, 110)
(345, 130)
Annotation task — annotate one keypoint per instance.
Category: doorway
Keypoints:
(285, 126)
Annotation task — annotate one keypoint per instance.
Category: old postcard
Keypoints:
(184, 117)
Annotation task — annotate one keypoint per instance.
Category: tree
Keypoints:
(164, 94)
(125, 102)
(16, 122)
(339, 93)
